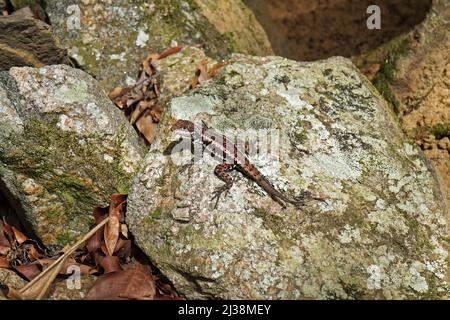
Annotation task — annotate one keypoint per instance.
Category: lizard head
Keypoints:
(183, 125)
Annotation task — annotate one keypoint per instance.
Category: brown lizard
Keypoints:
(232, 158)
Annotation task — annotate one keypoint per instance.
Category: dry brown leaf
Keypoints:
(139, 111)
(38, 287)
(8, 232)
(203, 71)
(147, 64)
(4, 263)
(4, 242)
(170, 51)
(147, 127)
(112, 228)
(155, 113)
(133, 283)
(29, 271)
(124, 230)
(84, 269)
(33, 253)
(4, 250)
(116, 92)
(123, 249)
(95, 242)
(20, 237)
(109, 263)
(214, 69)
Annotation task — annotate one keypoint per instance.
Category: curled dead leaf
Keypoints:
(20, 237)
(112, 228)
(133, 283)
(109, 263)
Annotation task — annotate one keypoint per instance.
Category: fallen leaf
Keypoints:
(95, 242)
(123, 249)
(8, 232)
(203, 71)
(112, 228)
(4, 250)
(20, 237)
(100, 214)
(124, 230)
(3, 239)
(170, 51)
(133, 283)
(38, 287)
(139, 111)
(147, 127)
(4, 263)
(109, 263)
(29, 271)
(215, 68)
(33, 253)
(147, 64)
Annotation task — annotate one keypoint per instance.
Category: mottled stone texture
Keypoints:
(109, 39)
(413, 74)
(64, 149)
(28, 42)
(380, 233)
(175, 73)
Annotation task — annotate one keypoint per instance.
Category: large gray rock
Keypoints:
(381, 232)
(109, 39)
(64, 149)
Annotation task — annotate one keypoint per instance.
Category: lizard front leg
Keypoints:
(221, 172)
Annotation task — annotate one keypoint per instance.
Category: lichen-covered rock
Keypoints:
(175, 72)
(64, 149)
(28, 42)
(109, 39)
(414, 76)
(380, 232)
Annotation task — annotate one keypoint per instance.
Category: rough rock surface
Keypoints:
(381, 232)
(175, 72)
(64, 148)
(415, 79)
(109, 39)
(28, 42)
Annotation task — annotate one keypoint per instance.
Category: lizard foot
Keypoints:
(299, 201)
(217, 193)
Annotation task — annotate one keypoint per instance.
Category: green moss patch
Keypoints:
(386, 76)
(72, 171)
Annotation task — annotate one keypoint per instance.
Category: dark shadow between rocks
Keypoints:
(11, 210)
(317, 29)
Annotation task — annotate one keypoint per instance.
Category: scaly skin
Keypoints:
(232, 158)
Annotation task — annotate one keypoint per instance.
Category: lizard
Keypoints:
(232, 158)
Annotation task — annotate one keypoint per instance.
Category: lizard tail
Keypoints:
(280, 198)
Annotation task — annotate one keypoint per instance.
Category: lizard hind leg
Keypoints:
(221, 171)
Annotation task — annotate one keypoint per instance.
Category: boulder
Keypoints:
(413, 74)
(110, 39)
(379, 231)
(175, 72)
(64, 149)
(28, 42)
